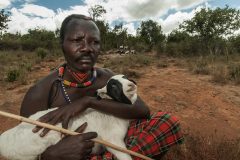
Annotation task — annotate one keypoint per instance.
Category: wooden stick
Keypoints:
(65, 131)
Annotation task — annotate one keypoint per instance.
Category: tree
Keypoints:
(4, 18)
(96, 11)
(151, 33)
(36, 38)
(177, 36)
(212, 25)
(121, 35)
(103, 27)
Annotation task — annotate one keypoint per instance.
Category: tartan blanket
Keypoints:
(150, 137)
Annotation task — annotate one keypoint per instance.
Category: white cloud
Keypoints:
(130, 28)
(127, 11)
(21, 22)
(33, 16)
(174, 20)
(184, 4)
(35, 10)
(4, 3)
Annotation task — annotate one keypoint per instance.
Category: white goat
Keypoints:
(20, 143)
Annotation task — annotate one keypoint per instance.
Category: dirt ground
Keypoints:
(203, 108)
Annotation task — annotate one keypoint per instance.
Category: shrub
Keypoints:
(234, 73)
(13, 75)
(201, 67)
(219, 74)
(41, 52)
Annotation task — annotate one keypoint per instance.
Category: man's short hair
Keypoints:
(67, 20)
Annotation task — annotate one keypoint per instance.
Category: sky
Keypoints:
(48, 14)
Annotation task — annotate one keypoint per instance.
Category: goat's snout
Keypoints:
(131, 87)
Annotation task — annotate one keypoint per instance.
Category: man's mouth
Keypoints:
(85, 59)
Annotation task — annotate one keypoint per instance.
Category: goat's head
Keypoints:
(120, 89)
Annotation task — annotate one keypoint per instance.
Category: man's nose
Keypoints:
(86, 47)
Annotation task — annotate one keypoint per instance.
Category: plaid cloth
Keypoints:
(151, 136)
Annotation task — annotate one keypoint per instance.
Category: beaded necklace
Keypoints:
(72, 84)
(76, 85)
(80, 77)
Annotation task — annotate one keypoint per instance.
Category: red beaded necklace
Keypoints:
(80, 77)
(77, 85)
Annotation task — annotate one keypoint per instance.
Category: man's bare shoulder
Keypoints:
(44, 84)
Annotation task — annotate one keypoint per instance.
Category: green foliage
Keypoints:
(235, 44)
(141, 46)
(178, 36)
(212, 25)
(186, 47)
(4, 18)
(41, 52)
(121, 35)
(36, 38)
(96, 11)
(13, 75)
(150, 32)
(104, 27)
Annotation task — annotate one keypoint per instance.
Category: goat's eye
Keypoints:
(125, 77)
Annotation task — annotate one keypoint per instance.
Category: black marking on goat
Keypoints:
(115, 91)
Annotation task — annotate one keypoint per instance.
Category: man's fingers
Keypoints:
(36, 129)
(89, 144)
(44, 119)
(88, 136)
(65, 123)
(44, 132)
(81, 128)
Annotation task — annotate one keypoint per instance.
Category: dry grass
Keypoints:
(205, 148)
(222, 69)
(15, 65)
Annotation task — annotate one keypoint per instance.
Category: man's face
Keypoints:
(81, 44)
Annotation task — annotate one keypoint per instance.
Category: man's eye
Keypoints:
(96, 42)
(77, 40)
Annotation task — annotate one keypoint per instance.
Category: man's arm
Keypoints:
(36, 98)
(138, 110)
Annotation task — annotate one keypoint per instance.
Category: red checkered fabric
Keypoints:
(151, 136)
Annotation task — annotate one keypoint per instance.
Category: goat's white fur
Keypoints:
(19, 143)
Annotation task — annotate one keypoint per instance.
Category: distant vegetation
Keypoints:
(207, 41)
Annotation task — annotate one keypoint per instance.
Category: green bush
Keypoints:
(41, 52)
(13, 75)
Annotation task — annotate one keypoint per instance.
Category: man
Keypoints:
(73, 87)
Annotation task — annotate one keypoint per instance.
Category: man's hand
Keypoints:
(71, 147)
(62, 114)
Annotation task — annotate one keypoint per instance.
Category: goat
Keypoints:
(19, 143)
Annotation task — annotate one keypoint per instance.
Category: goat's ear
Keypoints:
(125, 77)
